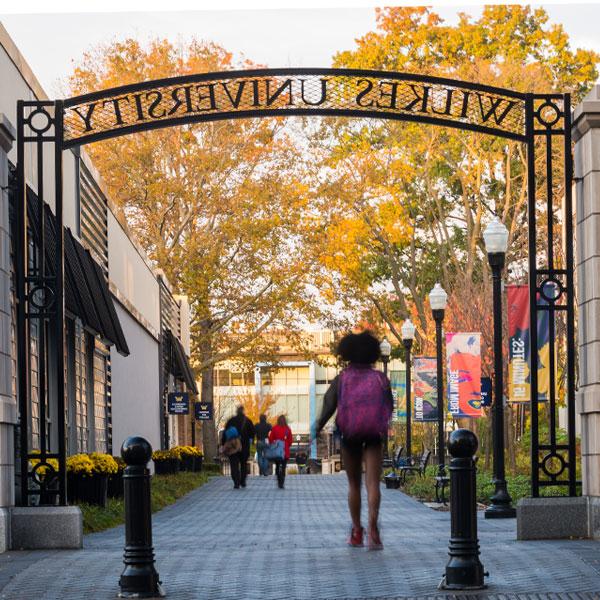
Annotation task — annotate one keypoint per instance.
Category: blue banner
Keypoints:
(486, 391)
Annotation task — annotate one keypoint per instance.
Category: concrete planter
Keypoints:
(115, 485)
(168, 466)
(89, 489)
(392, 481)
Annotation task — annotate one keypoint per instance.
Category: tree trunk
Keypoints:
(209, 432)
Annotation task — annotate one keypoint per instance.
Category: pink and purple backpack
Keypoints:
(363, 409)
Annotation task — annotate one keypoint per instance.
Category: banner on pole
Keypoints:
(398, 382)
(519, 364)
(486, 391)
(463, 361)
(425, 388)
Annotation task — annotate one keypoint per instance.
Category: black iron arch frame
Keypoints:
(541, 121)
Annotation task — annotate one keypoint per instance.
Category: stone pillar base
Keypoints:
(593, 517)
(46, 527)
(553, 518)
(4, 529)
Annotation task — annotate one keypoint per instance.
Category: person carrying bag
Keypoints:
(239, 454)
(233, 442)
(281, 440)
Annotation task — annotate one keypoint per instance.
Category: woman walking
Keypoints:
(364, 402)
(281, 431)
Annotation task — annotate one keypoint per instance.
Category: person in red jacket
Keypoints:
(281, 431)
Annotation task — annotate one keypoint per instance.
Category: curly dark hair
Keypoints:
(359, 348)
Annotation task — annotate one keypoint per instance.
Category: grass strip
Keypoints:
(519, 486)
(165, 490)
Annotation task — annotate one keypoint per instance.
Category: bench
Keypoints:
(392, 481)
(394, 461)
(441, 483)
(418, 468)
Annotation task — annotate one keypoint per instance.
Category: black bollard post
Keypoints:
(139, 578)
(464, 570)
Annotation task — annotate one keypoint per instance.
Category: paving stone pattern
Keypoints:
(264, 543)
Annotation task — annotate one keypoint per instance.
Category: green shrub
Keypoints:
(165, 490)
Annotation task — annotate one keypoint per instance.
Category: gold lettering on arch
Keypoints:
(335, 92)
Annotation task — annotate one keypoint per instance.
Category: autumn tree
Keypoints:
(219, 207)
(409, 201)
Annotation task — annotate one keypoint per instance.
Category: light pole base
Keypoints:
(500, 512)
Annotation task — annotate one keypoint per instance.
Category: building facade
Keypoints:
(126, 330)
(293, 385)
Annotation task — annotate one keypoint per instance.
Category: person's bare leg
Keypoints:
(373, 460)
(353, 466)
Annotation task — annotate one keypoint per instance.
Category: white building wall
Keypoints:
(132, 279)
(135, 387)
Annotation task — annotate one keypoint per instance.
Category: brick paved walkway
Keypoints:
(263, 543)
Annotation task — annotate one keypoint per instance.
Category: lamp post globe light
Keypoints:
(386, 349)
(438, 299)
(495, 237)
(408, 335)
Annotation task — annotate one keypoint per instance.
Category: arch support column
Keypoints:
(586, 134)
(8, 405)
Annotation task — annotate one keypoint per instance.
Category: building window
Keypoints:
(291, 379)
(100, 401)
(81, 390)
(266, 377)
(227, 378)
(34, 371)
(325, 375)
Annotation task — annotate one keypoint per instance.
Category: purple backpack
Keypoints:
(363, 408)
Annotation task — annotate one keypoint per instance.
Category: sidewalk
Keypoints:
(264, 543)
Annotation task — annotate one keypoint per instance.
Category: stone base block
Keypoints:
(552, 518)
(4, 529)
(46, 527)
(594, 517)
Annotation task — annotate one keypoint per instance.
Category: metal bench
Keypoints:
(418, 468)
(396, 458)
(392, 481)
(441, 483)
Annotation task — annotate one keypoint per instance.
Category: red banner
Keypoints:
(463, 358)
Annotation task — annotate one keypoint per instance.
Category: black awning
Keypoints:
(86, 289)
(180, 365)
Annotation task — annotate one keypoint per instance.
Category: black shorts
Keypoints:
(357, 445)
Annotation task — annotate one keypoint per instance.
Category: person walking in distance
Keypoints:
(239, 460)
(281, 431)
(262, 429)
(363, 398)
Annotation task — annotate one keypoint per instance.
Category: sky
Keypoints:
(305, 37)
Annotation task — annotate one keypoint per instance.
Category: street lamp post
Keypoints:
(495, 237)
(386, 349)
(437, 300)
(408, 335)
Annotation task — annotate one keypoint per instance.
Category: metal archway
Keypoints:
(51, 127)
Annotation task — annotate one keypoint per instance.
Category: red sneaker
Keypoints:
(375, 542)
(356, 537)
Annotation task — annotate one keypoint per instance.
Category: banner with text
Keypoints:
(463, 361)
(518, 349)
(486, 391)
(425, 388)
(398, 381)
